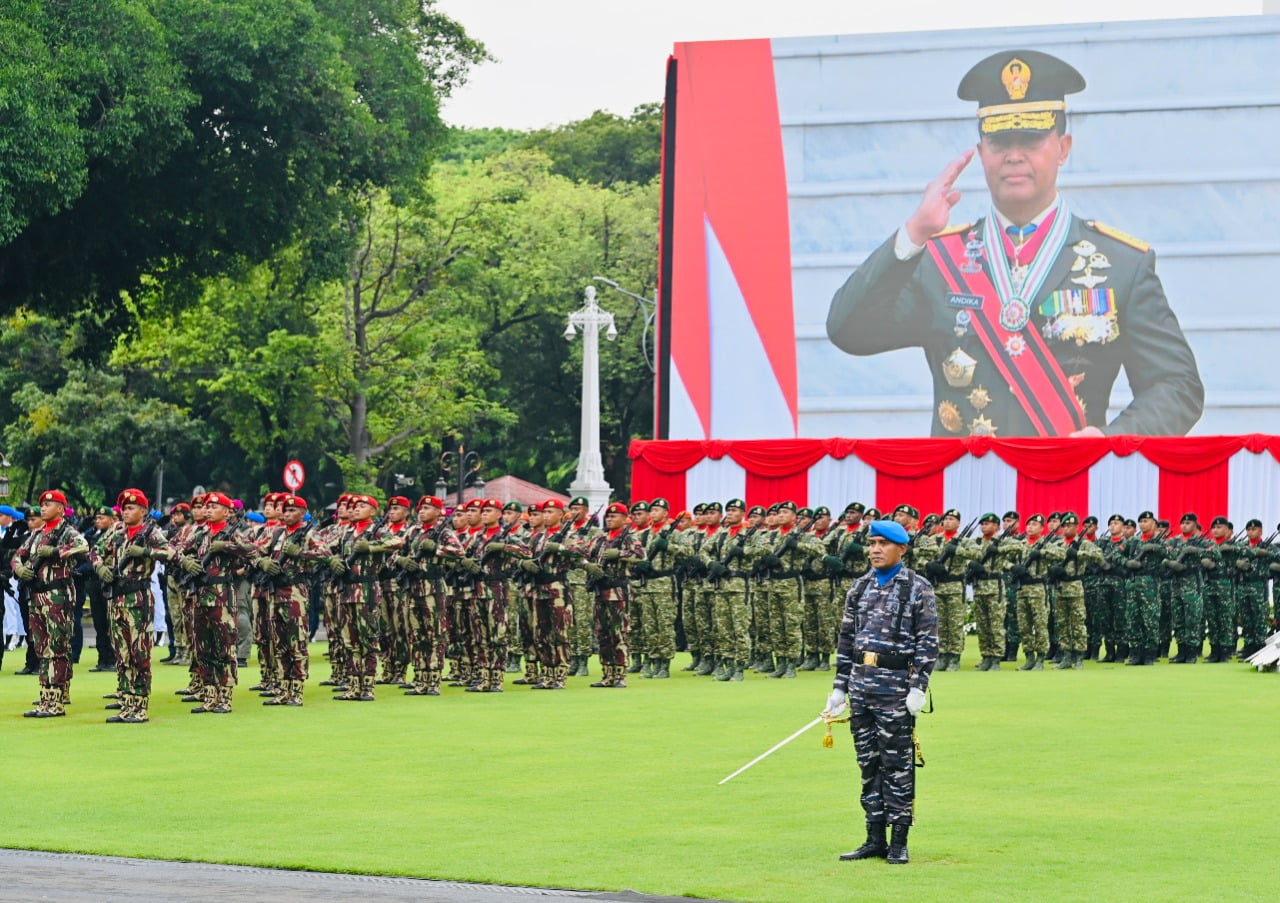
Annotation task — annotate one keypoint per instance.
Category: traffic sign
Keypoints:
(294, 475)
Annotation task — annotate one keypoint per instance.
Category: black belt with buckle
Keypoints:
(891, 661)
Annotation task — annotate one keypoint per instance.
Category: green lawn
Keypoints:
(1111, 783)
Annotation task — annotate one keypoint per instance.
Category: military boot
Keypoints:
(1077, 662)
(781, 667)
(737, 671)
(898, 845)
(662, 669)
(1038, 665)
(125, 706)
(1135, 656)
(619, 678)
(765, 665)
(790, 670)
(824, 663)
(1148, 656)
(810, 663)
(1111, 655)
(139, 715)
(1029, 664)
(725, 671)
(647, 670)
(1092, 652)
(695, 661)
(530, 674)
(707, 666)
(874, 847)
(513, 664)
(606, 677)
(635, 664)
(1010, 652)
(1192, 654)
(984, 665)
(953, 661)
(1065, 662)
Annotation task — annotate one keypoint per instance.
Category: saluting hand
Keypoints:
(940, 196)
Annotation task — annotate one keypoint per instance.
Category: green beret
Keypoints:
(579, 500)
(989, 518)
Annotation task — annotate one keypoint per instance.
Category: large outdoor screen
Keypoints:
(1143, 302)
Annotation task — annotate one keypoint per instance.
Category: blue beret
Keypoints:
(890, 530)
(255, 517)
(12, 512)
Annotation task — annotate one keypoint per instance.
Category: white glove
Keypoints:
(837, 700)
(915, 701)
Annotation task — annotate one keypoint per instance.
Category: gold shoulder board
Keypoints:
(1123, 237)
(952, 230)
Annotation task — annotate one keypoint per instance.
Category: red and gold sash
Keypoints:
(1022, 357)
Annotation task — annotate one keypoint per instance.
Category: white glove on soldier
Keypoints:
(915, 701)
(836, 700)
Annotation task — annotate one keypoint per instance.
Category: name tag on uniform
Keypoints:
(955, 299)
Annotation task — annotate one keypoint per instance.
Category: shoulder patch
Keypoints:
(951, 230)
(1122, 237)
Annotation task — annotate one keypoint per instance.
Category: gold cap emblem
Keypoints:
(949, 415)
(1016, 77)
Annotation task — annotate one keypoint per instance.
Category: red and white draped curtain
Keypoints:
(1235, 476)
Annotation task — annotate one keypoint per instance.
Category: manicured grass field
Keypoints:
(1112, 783)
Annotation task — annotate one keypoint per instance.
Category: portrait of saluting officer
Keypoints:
(1026, 315)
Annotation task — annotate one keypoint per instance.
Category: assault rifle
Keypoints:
(937, 569)
(977, 569)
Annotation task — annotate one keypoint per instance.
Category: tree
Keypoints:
(604, 149)
(178, 137)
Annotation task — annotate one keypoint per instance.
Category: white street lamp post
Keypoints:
(590, 318)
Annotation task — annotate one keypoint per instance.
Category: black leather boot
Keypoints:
(875, 846)
(898, 845)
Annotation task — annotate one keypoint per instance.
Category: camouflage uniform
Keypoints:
(331, 596)
(492, 550)
(127, 555)
(1220, 600)
(429, 548)
(394, 614)
(728, 579)
(1106, 604)
(260, 606)
(527, 591)
(461, 583)
(1078, 555)
(51, 553)
(293, 549)
(781, 556)
(1182, 565)
(888, 646)
(698, 610)
(220, 551)
(944, 559)
(1252, 567)
(361, 605)
(985, 571)
(1144, 556)
(582, 633)
(610, 589)
(548, 560)
(1030, 572)
(819, 618)
(664, 547)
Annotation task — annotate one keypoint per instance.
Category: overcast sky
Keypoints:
(560, 60)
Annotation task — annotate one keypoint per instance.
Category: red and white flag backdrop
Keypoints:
(1235, 476)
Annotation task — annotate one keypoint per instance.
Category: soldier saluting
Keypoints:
(1027, 315)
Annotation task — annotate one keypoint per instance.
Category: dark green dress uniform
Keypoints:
(1094, 300)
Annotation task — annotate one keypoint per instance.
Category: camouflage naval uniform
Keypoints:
(1030, 571)
(123, 558)
(729, 580)
(888, 645)
(782, 556)
(1078, 555)
(48, 556)
(986, 572)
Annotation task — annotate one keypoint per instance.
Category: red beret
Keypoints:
(492, 503)
(473, 503)
(131, 497)
(553, 503)
(217, 498)
(53, 495)
(181, 506)
(535, 508)
(289, 500)
(433, 501)
(400, 500)
(617, 508)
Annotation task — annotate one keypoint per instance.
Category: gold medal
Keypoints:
(979, 398)
(949, 415)
(981, 426)
(958, 368)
